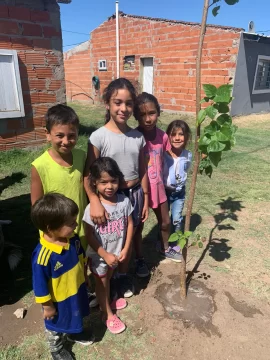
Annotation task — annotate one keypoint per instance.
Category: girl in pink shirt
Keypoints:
(147, 111)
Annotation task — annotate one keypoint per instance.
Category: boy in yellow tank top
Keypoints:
(60, 168)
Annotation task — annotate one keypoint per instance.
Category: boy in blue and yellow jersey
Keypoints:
(58, 273)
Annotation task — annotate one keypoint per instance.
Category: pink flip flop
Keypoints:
(118, 304)
(115, 325)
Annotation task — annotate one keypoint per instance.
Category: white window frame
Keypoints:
(260, 91)
(102, 65)
(20, 112)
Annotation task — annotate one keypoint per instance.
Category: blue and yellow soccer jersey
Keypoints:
(58, 275)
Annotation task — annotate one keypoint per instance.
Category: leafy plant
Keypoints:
(219, 135)
(180, 238)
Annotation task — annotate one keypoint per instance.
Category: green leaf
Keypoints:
(210, 90)
(204, 164)
(212, 128)
(215, 10)
(209, 171)
(234, 128)
(179, 232)
(211, 112)
(187, 234)
(222, 108)
(220, 136)
(194, 243)
(224, 118)
(204, 100)
(182, 243)
(200, 244)
(174, 237)
(215, 146)
(203, 149)
(227, 131)
(223, 94)
(215, 157)
(231, 2)
(204, 140)
(201, 117)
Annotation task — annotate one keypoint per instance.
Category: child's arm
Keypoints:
(36, 186)
(49, 310)
(109, 258)
(98, 213)
(144, 181)
(128, 242)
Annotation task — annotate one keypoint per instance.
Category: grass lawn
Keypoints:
(231, 209)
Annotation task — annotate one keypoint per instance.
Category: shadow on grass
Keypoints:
(218, 248)
(15, 284)
(11, 180)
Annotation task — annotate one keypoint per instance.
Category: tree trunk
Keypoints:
(183, 291)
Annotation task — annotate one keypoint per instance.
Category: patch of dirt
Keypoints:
(12, 330)
(210, 324)
(196, 310)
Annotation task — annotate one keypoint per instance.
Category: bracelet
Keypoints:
(146, 193)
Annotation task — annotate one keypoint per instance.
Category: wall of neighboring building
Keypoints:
(173, 47)
(32, 27)
(77, 73)
(244, 103)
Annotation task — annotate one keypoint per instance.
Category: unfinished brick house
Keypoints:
(31, 69)
(156, 54)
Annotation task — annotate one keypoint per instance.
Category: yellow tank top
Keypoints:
(65, 180)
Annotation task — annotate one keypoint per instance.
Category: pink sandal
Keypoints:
(115, 325)
(118, 304)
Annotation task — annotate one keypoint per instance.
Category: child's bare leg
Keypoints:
(137, 240)
(103, 294)
(162, 214)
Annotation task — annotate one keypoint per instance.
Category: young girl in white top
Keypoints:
(110, 242)
(177, 161)
(125, 145)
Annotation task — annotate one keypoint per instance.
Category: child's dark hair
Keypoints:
(107, 165)
(114, 86)
(61, 115)
(144, 98)
(52, 211)
(176, 124)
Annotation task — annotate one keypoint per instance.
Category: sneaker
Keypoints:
(83, 338)
(92, 299)
(172, 255)
(63, 354)
(126, 287)
(115, 325)
(141, 268)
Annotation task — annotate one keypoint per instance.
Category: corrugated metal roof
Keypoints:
(174, 21)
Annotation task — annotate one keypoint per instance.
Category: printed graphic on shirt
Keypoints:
(58, 265)
(113, 229)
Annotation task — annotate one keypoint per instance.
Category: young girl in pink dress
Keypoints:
(147, 111)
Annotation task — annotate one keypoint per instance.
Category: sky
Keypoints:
(83, 16)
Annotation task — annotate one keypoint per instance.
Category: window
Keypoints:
(11, 100)
(102, 65)
(262, 76)
(129, 62)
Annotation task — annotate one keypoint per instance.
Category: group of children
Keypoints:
(125, 172)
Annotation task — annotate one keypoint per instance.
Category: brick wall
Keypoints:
(173, 47)
(34, 31)
(77, 73)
